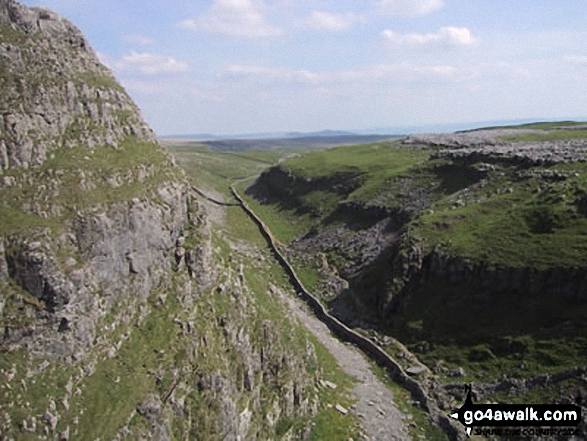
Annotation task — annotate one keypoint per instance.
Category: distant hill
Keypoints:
(303, 142)
(270, 135)
(321, 133)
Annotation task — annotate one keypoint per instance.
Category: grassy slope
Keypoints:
(544, 125)
(373, 165)
(532, 224)
(554, 135)
(67, 168)
(371, 169)
(217, 170)
(498, 228)
(509, 221)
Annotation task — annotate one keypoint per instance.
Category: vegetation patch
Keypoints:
(78, 178)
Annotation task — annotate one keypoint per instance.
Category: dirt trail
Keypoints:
(380, 417)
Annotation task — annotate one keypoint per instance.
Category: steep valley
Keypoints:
(141, 298)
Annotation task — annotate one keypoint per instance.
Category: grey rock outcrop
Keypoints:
(68, 99)
(56, 96)
(492, 146)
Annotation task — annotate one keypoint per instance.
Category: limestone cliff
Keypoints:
(55, 92)
(111, 327)
(80, 174)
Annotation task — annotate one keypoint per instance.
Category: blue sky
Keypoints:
(242, 66)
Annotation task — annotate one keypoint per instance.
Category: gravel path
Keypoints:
(380, 417)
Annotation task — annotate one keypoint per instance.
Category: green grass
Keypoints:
(112, 392)
(330, 424)
(98, 80)
(65, 167)
(327, 180)
(370, 158)
(371, 166)
(208, 169)
(284, 226)
(120, 384)
(524, 228)
(13, 36)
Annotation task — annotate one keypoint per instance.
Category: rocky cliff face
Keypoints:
(109, 324)
(64, 119)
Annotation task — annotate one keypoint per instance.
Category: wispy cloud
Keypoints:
(578, 59)
(327, 21)
(141, 40)
(272, 73)
(403, 72)
(242, 18)
(446, 36)
(409, 7)
(149, 64)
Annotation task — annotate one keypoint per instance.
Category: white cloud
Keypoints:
(405, 72)
(150, 64)
(333, 22)
(409, 7)
(243, 18)
(141, 40)
(579, 59)
(273, 73)
(447, 36)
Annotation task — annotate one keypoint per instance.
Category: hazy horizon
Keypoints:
(430, 128)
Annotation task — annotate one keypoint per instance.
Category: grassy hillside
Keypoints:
(75, 179)
(507, 215)
(238, 241)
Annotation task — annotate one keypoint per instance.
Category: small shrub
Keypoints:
(541, 220)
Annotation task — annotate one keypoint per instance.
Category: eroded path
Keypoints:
(380, 417)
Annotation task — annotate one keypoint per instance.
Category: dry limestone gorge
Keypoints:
(139, 300)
